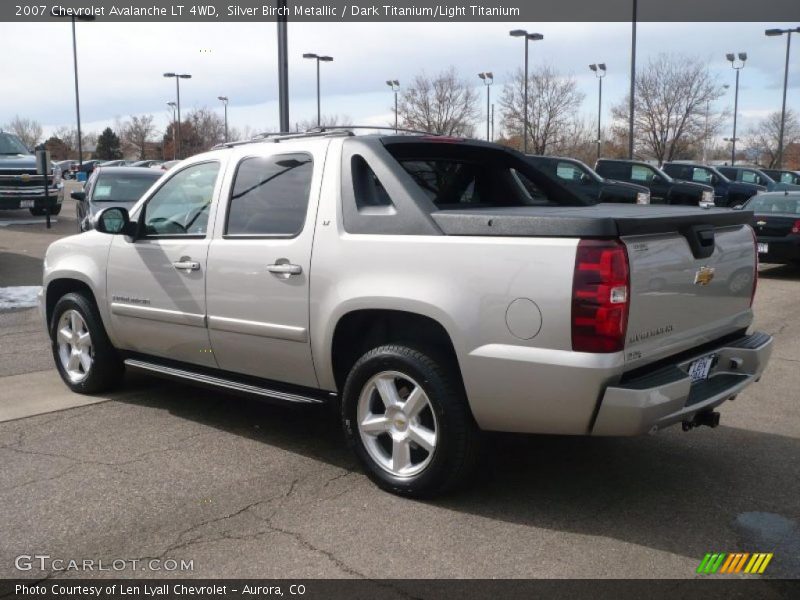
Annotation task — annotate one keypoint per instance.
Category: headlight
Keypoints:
(642, 197)
(708, 198)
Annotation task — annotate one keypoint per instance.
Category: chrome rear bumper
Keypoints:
(667, 396)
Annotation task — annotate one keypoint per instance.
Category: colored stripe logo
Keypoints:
(734, 562)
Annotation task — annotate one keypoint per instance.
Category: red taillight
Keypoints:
(796, 226)
(600, 296)
(755, 266)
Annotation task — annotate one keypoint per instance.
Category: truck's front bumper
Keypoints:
(666, 395)
(29, 197)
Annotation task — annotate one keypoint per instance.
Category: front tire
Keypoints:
(85, 358)
(405, 414)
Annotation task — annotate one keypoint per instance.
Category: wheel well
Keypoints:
(60, 287)
(359, 331)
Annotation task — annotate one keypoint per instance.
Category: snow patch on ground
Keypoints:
(21, 296)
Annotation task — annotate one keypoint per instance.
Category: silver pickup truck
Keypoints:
(433, 287)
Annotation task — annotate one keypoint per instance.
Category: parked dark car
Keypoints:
(726, 192)
(663, 188)
(776, 221)
(111, 186)
(756, 175)
(580, 178)
(146, 163)
(784, 176)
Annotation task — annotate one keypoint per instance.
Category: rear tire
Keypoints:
(406, 415)
(85, 358)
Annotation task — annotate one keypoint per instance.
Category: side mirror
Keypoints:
(113, 220)
(79, 196)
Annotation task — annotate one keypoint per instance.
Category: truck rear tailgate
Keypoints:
(681, 297)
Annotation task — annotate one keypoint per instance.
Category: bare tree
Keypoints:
(762, 140)
(333, 120)
(137, 133)
(445, 104)
(27, 130)
(553, 105)
(672, 119)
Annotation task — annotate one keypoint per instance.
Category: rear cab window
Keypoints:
(463, 176)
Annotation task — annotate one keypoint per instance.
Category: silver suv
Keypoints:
(433, 287)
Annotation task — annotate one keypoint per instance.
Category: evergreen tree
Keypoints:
(108, 145)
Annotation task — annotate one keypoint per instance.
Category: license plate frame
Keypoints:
(26, 203)
(700, 368)
(763, 248)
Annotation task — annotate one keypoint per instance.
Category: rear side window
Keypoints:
(701, 175)
(750, 177)
(568, 171)
(612, 170)
(270, 195)
(370, 194)
(640, 173)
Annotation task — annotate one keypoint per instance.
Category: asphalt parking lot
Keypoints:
(242, 489)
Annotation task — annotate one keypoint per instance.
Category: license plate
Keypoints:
(763, 248)
(26, 203)
(698, 370)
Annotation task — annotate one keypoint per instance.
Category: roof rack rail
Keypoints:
(326, 128)
(277, 136)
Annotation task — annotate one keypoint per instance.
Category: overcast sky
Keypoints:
(121, 65)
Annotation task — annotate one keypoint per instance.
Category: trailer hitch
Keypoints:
(709, 418)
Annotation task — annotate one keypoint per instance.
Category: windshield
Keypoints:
(786, 204)
(10, 144)
(112, 187)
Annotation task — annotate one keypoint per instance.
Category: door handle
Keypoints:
(185, 263)
(285, 269)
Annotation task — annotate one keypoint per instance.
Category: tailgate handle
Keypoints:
(701, 240)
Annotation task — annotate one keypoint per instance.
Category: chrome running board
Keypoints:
(222, 383)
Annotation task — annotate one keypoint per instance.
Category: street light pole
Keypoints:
(319, 59)
(73, 18)
(395, 85)
(742, 56)
(599, 72)
(178, 77)
(788, 32)
(224, 100)
(528, 37)
(488, 79)
(173, 106)
(632, 101)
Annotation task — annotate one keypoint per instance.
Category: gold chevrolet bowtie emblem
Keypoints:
(25, 177)
(761, 222)
(704, 276)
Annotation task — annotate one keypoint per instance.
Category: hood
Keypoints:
(782, 187)
(741, 186)
(634, 188)
(691, 186)
(17, 161)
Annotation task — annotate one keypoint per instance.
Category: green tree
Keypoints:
(108, 145)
